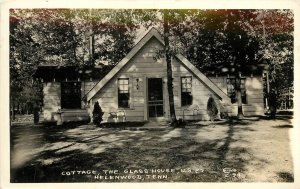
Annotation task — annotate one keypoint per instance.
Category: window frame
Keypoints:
(126, 85)
(243, 90)
(186, 102)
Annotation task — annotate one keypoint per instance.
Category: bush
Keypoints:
(97, 114)
(212, 109)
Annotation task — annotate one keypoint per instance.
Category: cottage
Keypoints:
(136, 89)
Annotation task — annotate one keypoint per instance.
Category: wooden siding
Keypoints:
(52, 100)
(254, 93)
(142, 66)
(150, 34)
(51, 91)
(88, 85)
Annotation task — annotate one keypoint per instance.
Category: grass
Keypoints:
(254, 150)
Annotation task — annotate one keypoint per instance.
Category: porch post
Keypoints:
(145, 98)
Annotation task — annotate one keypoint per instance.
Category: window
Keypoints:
(231, 90)
(123, 93)
(70, 95)
(186, 91)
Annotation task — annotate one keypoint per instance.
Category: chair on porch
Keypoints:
(117, 115)
(195, 109)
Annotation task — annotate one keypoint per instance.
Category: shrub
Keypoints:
(212, 109)
(97, 114)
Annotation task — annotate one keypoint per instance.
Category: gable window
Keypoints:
(123, 93)
(186, 91)
(70, 95)
(231, 90)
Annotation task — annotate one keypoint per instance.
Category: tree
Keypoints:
(170, 50)
(210, 39)
(235, 39)
(24, 54)
(238, 39)
(276, 30)
(60, 37)
(224, 39)
(162, 18)
(168, 56)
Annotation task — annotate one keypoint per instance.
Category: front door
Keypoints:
(155, 98)
(70, 95)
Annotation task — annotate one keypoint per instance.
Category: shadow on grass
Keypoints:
(279, 117)
(285, 177)
(283, 126)
(58, 149)
(123, 124)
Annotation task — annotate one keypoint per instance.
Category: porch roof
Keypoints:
(50, 72)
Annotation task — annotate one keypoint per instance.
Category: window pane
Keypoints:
(186, 98)
(231, 91)
(186, 91)
(126, 87)
(123, 100)
(123, 93)
(122, 87)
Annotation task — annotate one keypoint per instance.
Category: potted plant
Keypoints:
(97, 114)
(212, 109)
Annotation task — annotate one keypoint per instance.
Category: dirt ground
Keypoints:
(234, 151)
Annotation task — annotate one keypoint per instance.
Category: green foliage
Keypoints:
(277, 51)
(210, 39)
(25, 98)
(61, 37)
(231, 40)
(217, 38)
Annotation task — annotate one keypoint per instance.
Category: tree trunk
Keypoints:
(240, 114)
(91, 47)
(174, 121)
(91, 41)
(273, 102)
(239, 60)
(13, 112)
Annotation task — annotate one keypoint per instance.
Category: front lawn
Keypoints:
(235, 151)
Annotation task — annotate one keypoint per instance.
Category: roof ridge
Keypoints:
(122, 63)
(153, 32)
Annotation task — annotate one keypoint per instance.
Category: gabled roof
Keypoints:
(152, 32)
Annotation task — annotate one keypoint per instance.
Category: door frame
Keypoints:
(146, 93)
(63, 103)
